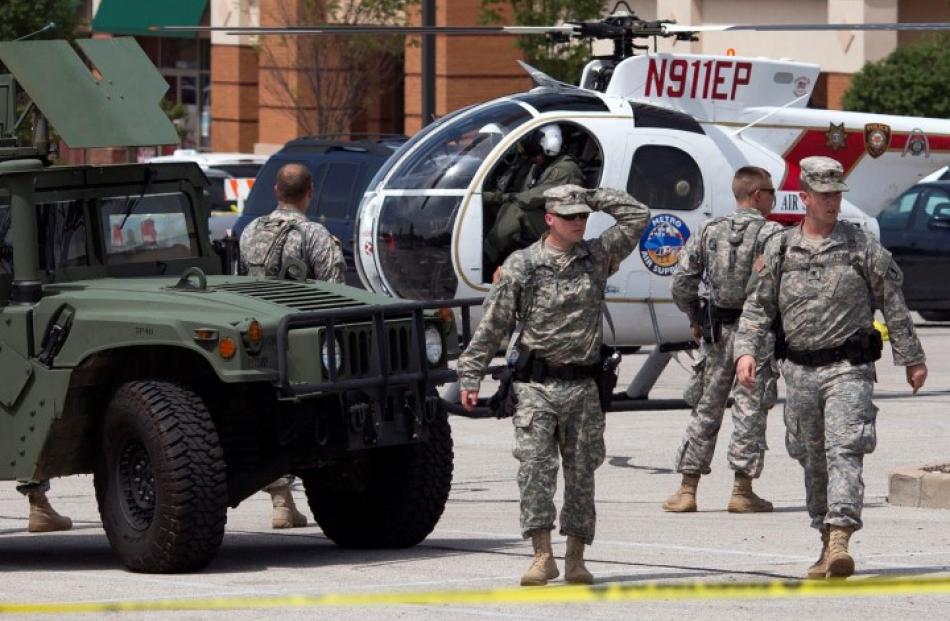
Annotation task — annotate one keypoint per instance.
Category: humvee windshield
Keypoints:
(157, 229)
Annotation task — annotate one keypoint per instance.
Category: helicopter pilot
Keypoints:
(519, 199)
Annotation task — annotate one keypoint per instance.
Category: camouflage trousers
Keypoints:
(830, 426)
(749, 410)
(552, 416)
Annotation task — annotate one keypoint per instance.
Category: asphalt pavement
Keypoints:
(477, 544)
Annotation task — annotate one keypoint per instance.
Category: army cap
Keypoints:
(565, 200)
(823, 174)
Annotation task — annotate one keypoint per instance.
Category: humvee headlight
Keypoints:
(227, 348)
(433, 345)
(337, 354)
(255, 333)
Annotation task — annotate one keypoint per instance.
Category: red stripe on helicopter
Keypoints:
(815, 142)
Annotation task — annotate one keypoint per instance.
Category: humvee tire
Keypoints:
(160, 479)
(404, 497)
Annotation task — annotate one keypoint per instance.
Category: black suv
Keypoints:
(341, 171)
(916, 229)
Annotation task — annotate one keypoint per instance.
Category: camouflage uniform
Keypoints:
(825, 294)
(285, 239)
(723, 253)
(559, 303)
(521, 216)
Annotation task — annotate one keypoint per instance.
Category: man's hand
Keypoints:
(916, 376)
(697, 332)
(469, 399)
(745, 370)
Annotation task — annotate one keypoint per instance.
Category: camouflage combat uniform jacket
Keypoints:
(284, 237)
(559, 303)
(722, 254)
(825, 293)
(563, 322)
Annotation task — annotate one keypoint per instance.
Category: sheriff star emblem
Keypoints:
(877, 137)
(836, 138)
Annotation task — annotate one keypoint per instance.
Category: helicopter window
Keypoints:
(552, 101)
(410, 144)
(645, 115)
(665, 178)
(452, 155)
(154, 228)
(414, 244)
(62, 229)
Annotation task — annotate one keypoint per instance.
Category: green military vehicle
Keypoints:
(125, 352)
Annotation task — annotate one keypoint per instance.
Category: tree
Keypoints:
(19, 18)
(563, 61)
(334, 76)
(911, 81)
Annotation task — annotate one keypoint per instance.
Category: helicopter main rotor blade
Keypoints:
(686, 28)
(374, 29)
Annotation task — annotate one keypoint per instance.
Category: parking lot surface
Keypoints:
(477, 544)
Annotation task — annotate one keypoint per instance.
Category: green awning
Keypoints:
(133, 17)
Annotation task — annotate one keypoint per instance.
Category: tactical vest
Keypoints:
(270, 262)
(729, 254)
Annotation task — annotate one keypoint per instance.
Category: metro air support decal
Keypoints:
(661, 243)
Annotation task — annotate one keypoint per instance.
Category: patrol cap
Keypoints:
(568, 199)
(823, 174)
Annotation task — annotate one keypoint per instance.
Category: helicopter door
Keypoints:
(676, 179)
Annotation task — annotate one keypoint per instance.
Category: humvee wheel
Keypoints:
(160, 479)
(402, 502)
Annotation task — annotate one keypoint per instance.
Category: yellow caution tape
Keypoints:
(614, 592)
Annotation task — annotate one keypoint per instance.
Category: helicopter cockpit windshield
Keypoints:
(452, 155)
(414, 230)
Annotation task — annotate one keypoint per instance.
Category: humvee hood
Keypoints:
(223, 295)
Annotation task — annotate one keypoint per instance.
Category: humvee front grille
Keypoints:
(292, 294)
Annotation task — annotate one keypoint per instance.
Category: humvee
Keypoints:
(127, 353)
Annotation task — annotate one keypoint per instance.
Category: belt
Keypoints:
(818, 357)
(539, 370)
(726, 315)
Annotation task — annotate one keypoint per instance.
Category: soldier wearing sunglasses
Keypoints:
(554, 289)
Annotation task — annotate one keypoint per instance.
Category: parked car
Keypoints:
(916, 229)
(341, 171)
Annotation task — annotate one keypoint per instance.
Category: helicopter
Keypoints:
(669, 128)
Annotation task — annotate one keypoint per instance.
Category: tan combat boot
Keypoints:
(819, 571)
(574, 570)
(542, 567)
(285, 511)
(840, 563)
(744, 500)
(43, 518)
(684, 500)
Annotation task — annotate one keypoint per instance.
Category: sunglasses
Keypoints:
(769, 190)
(573, 216)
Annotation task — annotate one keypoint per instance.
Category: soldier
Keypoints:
(555, 289)
(43, 518)
(824, 279)
(521, 219)
(286, 243)
(721, 256)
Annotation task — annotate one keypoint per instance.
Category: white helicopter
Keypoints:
(669, 128)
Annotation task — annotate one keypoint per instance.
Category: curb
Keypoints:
(913, 487)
